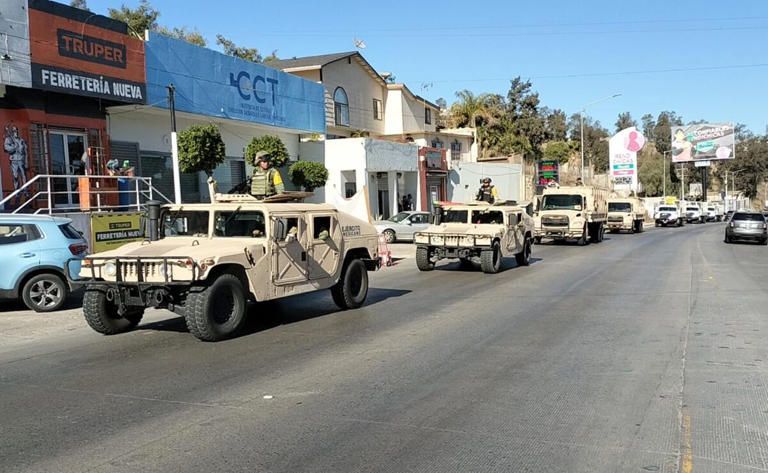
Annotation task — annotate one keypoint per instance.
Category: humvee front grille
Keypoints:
(452, 240)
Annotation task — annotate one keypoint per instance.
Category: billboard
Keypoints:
(112, 230)
(215, 85)
(622, 151)
(705, 141)
(548, 172)
(76, 52)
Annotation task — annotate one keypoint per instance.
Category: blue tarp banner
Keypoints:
(213, 84)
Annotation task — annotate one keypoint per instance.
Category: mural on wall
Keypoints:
(17, 149)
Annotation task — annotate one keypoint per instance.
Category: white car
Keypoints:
(668, 215)
(693, 214)
(402, 226)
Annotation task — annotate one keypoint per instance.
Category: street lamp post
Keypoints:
(581, 122)
(664, 172)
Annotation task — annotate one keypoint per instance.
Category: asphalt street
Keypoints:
(646, 352)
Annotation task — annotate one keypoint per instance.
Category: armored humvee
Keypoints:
(477, 233)
(205, 261)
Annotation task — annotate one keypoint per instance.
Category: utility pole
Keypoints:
(174, 146)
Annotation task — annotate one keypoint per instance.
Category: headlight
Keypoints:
(467, 240)
(421, 238)
(110, 268)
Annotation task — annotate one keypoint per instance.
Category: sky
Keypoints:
(702, 59)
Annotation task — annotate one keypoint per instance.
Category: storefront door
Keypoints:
(67, 150)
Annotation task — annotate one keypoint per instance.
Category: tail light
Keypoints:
(730, 224)
(78, 248)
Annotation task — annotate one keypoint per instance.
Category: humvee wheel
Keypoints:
(422, 259)
(102, 315)
(524, 257)
(352, 289)
(218, 310)
(389, 235)
(490, 260)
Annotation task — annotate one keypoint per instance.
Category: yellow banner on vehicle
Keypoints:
(113, 230)
(670, 200)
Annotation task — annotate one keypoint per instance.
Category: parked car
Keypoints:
(33, 251)
(402, 226)
(747, 225)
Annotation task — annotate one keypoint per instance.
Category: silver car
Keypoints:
(402, 226)
(746, 225)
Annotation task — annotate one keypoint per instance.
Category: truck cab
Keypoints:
(625, 214)
(576, 212)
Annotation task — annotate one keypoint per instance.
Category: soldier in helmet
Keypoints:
(487, 192)
(266, 180)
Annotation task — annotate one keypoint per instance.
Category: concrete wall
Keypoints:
(393, 114)
(361, 89)
(464, 181)
(414, 114)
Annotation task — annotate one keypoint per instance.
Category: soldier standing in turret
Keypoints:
(487, 192)
(266, 180)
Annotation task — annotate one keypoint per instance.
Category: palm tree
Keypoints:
(469, 107)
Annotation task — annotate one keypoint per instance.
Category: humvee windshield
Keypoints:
(561, 202)
(487, 216)
(185, 223)
(239, 223)
(455, 216)
(619, 207)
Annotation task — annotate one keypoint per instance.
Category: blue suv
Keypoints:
(33, 252)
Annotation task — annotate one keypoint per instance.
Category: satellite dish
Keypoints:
(359, 43)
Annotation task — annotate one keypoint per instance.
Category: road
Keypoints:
(643, 353)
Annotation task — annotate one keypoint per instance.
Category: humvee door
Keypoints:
(324, 245)
(289, 249)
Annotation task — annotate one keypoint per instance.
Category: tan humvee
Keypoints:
(578, 212)
(625, 213)
(477, 233)
(211, 259)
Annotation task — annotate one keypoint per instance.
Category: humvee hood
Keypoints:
(463, 229)
(193, 247)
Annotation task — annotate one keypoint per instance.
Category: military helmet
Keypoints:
(487, 180)
(263, 156)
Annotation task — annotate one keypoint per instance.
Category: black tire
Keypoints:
(600, 233)
(216, 311)
(524, 257)
(727, 239)
(102, 315)
(422, 259)
(680, 222)
(584, 240)
(537, 240)
(658, 224)
(45, 292)
(352, 289)
(490, 259)
(764, 241)
(389, 235)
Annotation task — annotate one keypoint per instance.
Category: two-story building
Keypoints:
(359, 102)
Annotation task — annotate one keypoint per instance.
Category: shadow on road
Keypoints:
(270, 314)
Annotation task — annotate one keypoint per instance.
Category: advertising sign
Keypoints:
(14, 33)
(113, 230)
(216, 85)
(548, 172)
(706, 141)
(76, 52)
(622, 150)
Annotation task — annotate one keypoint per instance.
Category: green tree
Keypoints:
(651, 172)
(271, 144)
(201, 149)
(231, 49)
(308, 174)
(522, 111)
(144, 17)
(469, 108)
(648, 124)
(662, 130)
(557, 150)
(81, 4)
(272, 57)
(595, 141)
(625, 121)
(190, 36)
(557, 125)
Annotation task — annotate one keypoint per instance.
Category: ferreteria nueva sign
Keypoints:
(76, 52)
(705, 141)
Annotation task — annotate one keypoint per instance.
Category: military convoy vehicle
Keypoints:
(575, 212)
(206, 261)
(625, 213)
(477, 233)
(668, 214)
(694, 213)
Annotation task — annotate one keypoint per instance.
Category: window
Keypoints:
(420, 218)
(619, 207)
(286, 229)
(456, 146)
(185, 223)
(428, 116)
(561, 202)
(341, 107)
(455, 216)
(377, 113)
(69, 232)
(437, 143)
(399, 217)
(745, 216)
(18, 233)
(321, 227)
(239, 224)
(485, 216)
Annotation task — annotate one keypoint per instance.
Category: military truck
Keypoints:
(669, 214)
(625, 213)
(477, 233)
(575, 212)
(206, 261)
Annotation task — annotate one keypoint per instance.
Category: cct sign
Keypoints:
(247, 88)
